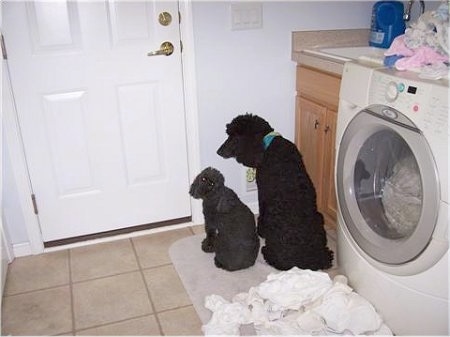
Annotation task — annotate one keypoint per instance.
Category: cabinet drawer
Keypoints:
(318, 86)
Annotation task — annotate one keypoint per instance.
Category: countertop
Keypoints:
(328, 50)
(304, 44)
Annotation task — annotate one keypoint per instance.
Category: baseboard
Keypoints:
(22, 249)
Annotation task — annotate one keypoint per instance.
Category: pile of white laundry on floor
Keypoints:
(296, 302)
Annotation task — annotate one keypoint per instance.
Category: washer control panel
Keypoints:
(425, 102)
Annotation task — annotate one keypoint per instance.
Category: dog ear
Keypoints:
(228, 148)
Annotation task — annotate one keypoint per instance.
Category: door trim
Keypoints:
(190, 101)
(20, 173)
(35, 244)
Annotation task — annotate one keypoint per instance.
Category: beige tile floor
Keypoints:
(124, 287)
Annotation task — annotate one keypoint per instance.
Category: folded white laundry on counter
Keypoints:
(296, 302)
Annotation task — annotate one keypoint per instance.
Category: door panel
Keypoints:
(64, 122)
(103, 124)
(130, 22)
(53, 26)
(141, 137)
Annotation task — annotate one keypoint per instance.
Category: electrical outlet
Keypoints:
(250, 179)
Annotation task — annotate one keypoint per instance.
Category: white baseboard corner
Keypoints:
(22, 249)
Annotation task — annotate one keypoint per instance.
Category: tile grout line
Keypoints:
(115, 322)
(141, 271)
(176, 308)
(106, 276)
(71, 291)
(37, 290)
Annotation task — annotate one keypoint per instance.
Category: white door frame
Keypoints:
(18, 159)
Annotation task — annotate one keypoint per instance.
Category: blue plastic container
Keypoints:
(387, 23)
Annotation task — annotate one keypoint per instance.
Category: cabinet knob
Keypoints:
(316, 124)
(327, 128)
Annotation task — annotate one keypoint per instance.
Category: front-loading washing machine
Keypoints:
(392, 189)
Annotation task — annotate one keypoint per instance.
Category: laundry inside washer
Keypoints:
(390, 197)
(402, 197)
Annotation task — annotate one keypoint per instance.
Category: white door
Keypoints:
(103, 123)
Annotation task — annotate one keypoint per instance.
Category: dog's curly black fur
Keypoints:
(288, 217)
(229, 224)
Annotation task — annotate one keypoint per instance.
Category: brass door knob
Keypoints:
(166, 48)
(164, 18)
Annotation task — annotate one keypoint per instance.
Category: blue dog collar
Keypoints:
(269, 137)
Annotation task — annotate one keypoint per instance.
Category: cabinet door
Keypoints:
(329, 194)
(310, 137)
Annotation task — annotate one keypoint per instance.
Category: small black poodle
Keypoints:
(229, 224)
(288, 217)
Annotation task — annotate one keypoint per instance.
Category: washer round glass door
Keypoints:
(387, 185)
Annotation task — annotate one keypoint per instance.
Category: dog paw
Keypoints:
(218, 264)
(207, 246)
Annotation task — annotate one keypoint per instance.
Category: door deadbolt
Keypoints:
(165, 18)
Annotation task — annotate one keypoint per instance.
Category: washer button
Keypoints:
(391, 91)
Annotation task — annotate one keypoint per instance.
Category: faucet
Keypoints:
(407, 14)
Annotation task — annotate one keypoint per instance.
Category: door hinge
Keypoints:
(33, 200)
(179, 17)
(181, 46)
(2, 42)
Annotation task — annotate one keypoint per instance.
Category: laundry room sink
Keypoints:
(345, 54)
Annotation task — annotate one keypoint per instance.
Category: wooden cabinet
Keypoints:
(315, 132)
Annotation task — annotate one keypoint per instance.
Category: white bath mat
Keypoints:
(201, 277)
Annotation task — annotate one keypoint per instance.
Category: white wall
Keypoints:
(252, 71)
(12, 213)
(13, 219)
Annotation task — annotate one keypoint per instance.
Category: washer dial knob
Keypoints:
(391, 91)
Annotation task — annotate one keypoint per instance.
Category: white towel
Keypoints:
(296, 302)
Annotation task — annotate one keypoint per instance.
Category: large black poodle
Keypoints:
(229, 224)
(288, 217)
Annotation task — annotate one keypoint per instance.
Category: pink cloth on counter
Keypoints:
(398, 47)
(413, 58)
(422, 56)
